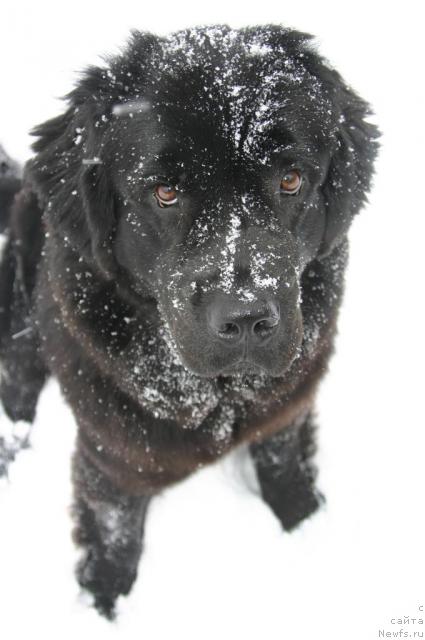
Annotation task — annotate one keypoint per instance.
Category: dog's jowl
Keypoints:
(175, 256)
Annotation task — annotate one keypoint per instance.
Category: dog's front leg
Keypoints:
(286, 473)
(109, 528)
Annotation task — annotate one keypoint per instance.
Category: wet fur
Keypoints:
(86, 320)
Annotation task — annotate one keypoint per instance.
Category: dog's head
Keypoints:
(210, 168)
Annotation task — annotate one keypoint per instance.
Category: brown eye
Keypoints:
(291, 182)
(165, 194)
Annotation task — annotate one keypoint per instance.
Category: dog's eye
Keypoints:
(165, 194)
(291, 182)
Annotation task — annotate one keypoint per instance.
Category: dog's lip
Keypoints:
(242, 366)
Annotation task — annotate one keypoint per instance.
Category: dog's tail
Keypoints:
(10, 184)
(22, 370)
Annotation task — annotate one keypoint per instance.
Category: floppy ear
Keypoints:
(355, 139)
(99, 202)
(351, 167)
(69, 170)
(71, 179)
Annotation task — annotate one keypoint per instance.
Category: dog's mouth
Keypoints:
(243, 366)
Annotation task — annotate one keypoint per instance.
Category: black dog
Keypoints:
(176, 258)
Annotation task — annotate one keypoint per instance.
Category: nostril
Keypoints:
(265, 327)
(229, 330)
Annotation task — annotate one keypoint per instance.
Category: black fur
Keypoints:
(10, 183)
(286, 472)
(179, 331)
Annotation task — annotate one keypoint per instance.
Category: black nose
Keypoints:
(232, 322)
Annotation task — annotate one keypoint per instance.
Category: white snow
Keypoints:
(227, 261)
(216, 563)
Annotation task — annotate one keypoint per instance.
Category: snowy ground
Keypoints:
(216, 563)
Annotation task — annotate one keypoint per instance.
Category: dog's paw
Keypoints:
(104, 580)
(292, 510)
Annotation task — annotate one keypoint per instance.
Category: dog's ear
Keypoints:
(69, 173)
(354, 146)
(351, 167)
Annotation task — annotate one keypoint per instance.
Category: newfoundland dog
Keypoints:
(175, 256)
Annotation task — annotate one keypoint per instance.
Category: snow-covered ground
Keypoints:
(217, 564)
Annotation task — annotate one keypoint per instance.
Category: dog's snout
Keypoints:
(234, 322)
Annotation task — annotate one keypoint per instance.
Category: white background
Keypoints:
(217, 564)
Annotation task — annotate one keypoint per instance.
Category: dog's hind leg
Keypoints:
(22, 370)
(287, 474)
(109, 528)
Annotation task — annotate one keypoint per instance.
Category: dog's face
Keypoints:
(233, 159)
